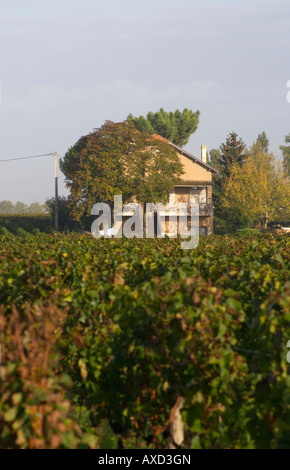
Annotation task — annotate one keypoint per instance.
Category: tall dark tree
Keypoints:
(65, 220)
(214, 159)
(264, 141)
(174, 126)
(286, 154)
(230, 153)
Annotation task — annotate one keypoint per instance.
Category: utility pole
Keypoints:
(56, 194)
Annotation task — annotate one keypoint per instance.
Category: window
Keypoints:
(197, 195)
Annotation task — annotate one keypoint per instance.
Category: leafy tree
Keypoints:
(6, 207)
(286, 154)
(65, 220)
(258, 189)
(174, 126)
(118, 159)
(20, 208)
(36, 208)
(264, 141)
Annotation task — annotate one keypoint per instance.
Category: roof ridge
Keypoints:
(181, 150)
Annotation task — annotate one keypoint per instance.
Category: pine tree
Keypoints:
(264, 141)
(176, 127)
(214, 157)
(231, 152)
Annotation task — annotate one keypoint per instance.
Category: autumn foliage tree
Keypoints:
(258, 188)
(118, 159)
(34, 410)
(286, 154)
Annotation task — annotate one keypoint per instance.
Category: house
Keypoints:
(195, 186)
(192, 187)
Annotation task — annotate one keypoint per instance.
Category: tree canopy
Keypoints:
(7, 207)
(118, 159)
(258, 188)
(214, 157)
(264, 141)
(231, 152)
(65, 220)
(20, 208)
(174, 126)
(286, 154)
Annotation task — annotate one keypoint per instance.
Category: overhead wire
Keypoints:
(25, 158)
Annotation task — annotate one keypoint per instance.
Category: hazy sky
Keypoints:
(66, 66)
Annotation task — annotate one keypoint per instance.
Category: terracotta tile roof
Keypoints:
(184, 152)
(158, 137)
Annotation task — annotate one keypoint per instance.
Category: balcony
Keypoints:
(205, 209)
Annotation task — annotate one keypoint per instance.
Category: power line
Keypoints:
(55, 174)
(25, 158)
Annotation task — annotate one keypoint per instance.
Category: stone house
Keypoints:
(195, 187)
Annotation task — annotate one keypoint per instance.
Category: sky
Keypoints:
(67, 66)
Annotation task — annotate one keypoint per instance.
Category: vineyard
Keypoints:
(101, 339)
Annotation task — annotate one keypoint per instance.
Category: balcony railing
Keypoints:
(205, 209)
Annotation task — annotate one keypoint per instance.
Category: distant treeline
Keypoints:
(7, 207)
(39, 216)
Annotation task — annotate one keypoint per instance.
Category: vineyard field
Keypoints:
(101, 339)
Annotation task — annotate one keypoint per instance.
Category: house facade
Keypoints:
(194, 186)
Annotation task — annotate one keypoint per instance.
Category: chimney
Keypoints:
(203, 154)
